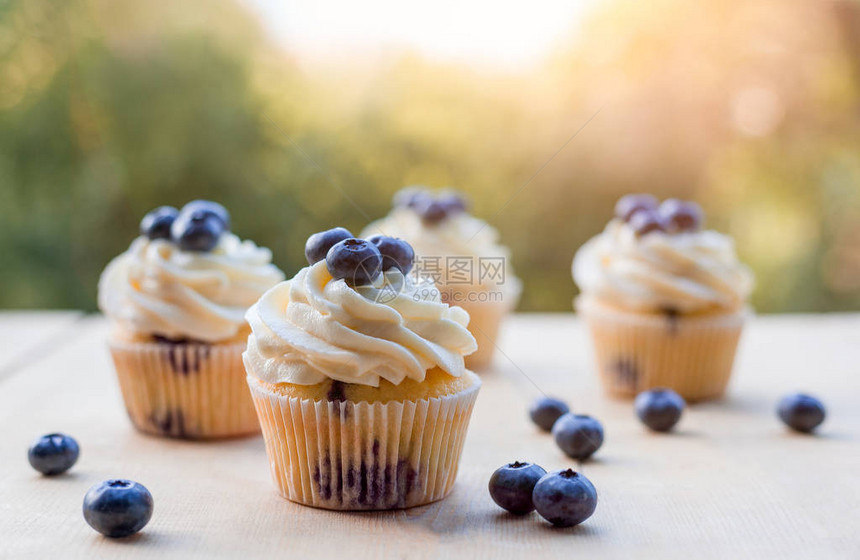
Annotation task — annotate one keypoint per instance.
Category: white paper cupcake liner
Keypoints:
(692, 355)
(185, 390)
(363, 456)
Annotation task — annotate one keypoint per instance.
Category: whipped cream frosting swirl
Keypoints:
(460, 235)
(688, 273)
(155, 288)
(313, 328)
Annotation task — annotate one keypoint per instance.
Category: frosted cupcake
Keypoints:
(461, 254)
(665, 301)
(176, 302)
(359, 379)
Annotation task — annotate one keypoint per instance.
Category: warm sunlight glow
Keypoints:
(497, 33)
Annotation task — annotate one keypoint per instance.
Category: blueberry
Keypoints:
(579, 436)
(629, 205)
(659, 409)
(211, 209)
(196, 231)
(546, 410)
(511, 486)
(411, 197)
(118, 508)
(646, 221)
(318, 244)
(565, 498)
(396, 253)
(156, 224)
(453, 202)
(357, 261)
(432, 211)
(53, 454)
(801, 412)
(680, 215)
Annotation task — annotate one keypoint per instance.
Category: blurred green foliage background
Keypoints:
(108, 109)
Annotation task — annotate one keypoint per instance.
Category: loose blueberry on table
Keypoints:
(578, 435)
(659, 409)
(318, 244)
(395, 252)
(801, 412)
(118, 508)
(511, 486)
(546, 410)
(357, 261)
(565, 498)
(53, 454)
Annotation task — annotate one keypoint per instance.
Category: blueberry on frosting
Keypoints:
(681, 215)
(411, 197)
(209, 208)
(644, 214)
(395, 252)
(197, 227)
(646, 221)
(319, 243)
(156, 224)
(357, 261)
(431, 208)
(630, 204)
(197, 230)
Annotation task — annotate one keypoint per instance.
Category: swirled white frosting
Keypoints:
(461, 236)
(685, 272)
(155, 288)
(313, 328)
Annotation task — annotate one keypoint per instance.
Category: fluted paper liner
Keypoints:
(692, 355)
(185, 390)
(363, 456)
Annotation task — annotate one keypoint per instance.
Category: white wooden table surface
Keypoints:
(732, 483)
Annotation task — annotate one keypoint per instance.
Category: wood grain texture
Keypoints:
(22, 333)
(732, 483)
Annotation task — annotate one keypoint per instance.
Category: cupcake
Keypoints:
(463, 257)
(359, 380)
(176, 303)
(664, 300)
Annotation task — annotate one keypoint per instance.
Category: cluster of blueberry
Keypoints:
(358, 261)
(116, 508)
(660, 410)
(197, 227)
(564, 498)
(578, 435)
(430, 206)
(645, 214)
